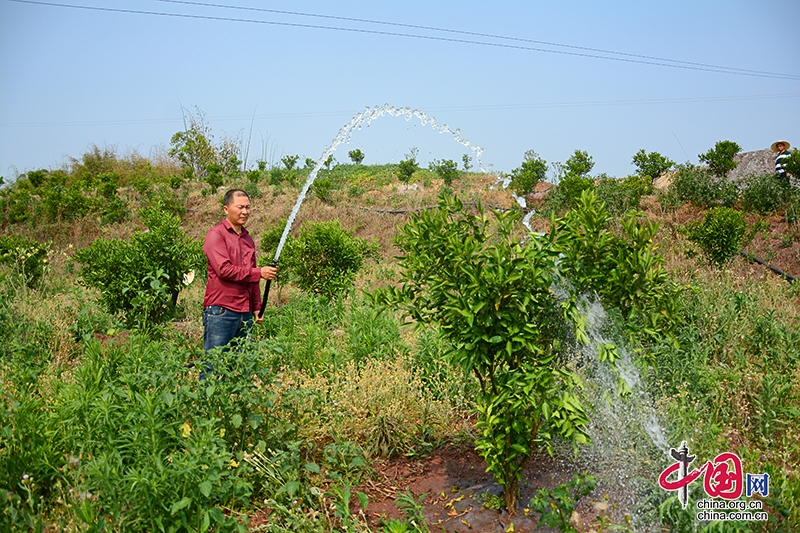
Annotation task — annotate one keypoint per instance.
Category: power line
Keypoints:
(474, 34)
(485, 107)
(660, 63)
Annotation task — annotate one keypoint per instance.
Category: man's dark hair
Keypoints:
(231, 194)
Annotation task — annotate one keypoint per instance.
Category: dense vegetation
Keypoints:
(105, 426)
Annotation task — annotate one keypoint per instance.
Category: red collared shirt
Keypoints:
(233, 278)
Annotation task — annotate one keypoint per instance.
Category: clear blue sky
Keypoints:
(72, 77)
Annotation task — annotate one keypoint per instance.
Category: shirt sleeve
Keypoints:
(216, 251)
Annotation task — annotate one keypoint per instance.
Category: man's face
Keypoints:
(238, 211)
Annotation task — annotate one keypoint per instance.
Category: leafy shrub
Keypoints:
(143, 276)
(764, 194)
(486, 291)
(290, 161)
(702, 188)
(567, 193)
(720, 158)
(651, 165)
(325, 258)
(557, 506)
(323, 188)
(446, 169)
(721, 234)
(531, 172)
(623, 195)
(580, 163)
(356, 156)
(24, 255)
(406, 169)
(624, 270)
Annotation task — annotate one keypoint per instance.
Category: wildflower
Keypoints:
(186, 429)
(234, 464)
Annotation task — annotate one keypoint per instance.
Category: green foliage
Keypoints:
(24, 256)
(579, 164)
(325, 258)
(466, 160)
(625, 271)
(721, 234)
(764, 194)
(567, 193)
(323, 188)
(290, 161)
(623, 195)
(720, 158)
(557, 505)
(792, 163)
(446, 169)
(406, 169)
(142, 277)
(702, 188)
(201, 158)
(492, 298)
(356, 156)
(651, 165)
(531, 172)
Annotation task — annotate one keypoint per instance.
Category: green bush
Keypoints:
(325, 258)
(531, 172)
(142, 277)
(651, 165)
(720, 158)
(702, 188)
(624, 270)
(567, 193)
(446, 169)
(492, 299)
(764, 194)
(623, 195)
(356, 156)
(25, 256)
(721, 234)
(406, 169)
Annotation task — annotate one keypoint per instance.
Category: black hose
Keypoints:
(778, 271)
(266, 294)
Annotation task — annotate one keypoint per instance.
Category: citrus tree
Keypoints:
(493, 298)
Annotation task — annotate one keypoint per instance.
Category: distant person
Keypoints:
(232, 293)
(782, 149)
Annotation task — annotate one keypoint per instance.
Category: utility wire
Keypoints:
(476, 34)
(487, 107)
(660, 63)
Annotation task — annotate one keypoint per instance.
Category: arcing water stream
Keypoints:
(366, 117)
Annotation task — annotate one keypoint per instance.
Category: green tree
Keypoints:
(356, 156)
(142, 276)
(532, 171)
(406, 169)
(324, 258)
(492, 298)
(579, 164)
(447, 169)
(193, 147)
(651, 165)
(289, 161)
(466, 160)
(720, 158)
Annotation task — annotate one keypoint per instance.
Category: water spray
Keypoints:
(345, 133)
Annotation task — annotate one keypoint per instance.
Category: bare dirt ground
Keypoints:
(456, 485)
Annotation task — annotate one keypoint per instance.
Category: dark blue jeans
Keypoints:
(220, 327)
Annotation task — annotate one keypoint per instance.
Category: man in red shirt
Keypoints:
(232, 293)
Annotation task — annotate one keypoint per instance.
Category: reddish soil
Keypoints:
(453, 480)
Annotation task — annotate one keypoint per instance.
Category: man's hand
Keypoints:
(269, 272)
